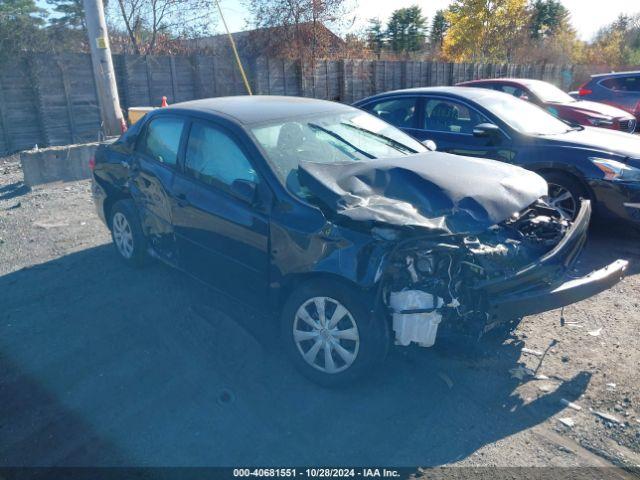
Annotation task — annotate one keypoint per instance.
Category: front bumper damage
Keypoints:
(544, 285)
(468, 307)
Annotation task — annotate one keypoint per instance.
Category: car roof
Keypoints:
(519, 81)
(616, 74)
(470, 93)
(248, 109)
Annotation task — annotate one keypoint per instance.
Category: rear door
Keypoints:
(450, 124)
(153, 167)
(222, 237)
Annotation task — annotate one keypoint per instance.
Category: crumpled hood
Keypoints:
(437, 191)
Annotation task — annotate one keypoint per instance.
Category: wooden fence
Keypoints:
(51, 100)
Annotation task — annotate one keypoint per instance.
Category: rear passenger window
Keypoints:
(213, 157)
(622, 84)
(400, 112)
(162, 140)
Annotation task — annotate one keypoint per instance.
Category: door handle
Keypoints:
(182, 200)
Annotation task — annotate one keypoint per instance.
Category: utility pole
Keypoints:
(103, 71)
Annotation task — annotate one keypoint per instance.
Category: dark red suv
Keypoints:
(561, 104)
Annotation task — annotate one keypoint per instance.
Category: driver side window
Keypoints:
(451, 117)
(213, 157)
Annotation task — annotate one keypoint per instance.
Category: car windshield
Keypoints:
(524, 117)
(550, 93)
(330, 138)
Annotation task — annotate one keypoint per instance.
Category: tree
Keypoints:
(70, 14)
(148, 22)
(439, 27)
(548, 18)
(376, 36)
(21, 27)
(617, 44)
(485, 30)
(406, 30)
(302, 25)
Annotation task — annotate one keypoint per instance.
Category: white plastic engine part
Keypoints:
(415, 327)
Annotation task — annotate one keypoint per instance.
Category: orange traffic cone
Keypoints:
(164, 102)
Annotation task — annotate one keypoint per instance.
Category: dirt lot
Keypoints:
(103, 365)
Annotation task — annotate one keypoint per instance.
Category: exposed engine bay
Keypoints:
(429, 280)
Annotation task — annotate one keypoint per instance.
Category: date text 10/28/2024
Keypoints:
(317, 472)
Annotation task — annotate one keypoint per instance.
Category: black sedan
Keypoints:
(578, 162)
(349, 229)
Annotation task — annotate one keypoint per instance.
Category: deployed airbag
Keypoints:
(438, 191)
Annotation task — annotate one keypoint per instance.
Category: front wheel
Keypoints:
(565, 193)
(330, 336)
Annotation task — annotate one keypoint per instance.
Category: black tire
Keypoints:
(126, 209)
(373, 333)
(558, 181)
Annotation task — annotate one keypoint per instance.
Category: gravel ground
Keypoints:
(102, 365)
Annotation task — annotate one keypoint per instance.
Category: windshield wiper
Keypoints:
(341, 139)
(389, 141)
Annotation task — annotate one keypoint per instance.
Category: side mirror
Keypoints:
(245, 190)
(431, 145)
(487, 130)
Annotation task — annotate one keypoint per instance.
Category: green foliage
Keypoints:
(439, 27)
(406, 30)
(68, 14)
(376, 36)
(21, 23)
(548, 17)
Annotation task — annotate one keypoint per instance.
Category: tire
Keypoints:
(364, 337)
(560, 185)
(126, 233)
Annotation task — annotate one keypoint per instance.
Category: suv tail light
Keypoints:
(582, 91)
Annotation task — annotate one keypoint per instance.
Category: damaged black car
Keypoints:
(353, 233)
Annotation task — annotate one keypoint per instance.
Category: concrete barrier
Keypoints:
(57, 164)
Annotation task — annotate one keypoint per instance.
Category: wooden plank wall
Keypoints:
(51, 100)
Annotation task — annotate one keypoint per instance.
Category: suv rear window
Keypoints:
(622, 84)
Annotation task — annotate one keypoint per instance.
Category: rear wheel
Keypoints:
(565, 193)
(127, 234)
(330, 335)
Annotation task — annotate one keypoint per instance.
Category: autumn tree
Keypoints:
(303, 25)
(617, 43)
(147, 22)
(485, 30)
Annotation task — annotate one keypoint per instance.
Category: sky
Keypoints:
(587, 16)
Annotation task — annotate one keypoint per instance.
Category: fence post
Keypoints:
(174, 79)
(66, 87)
(3, 122)
(37, 94)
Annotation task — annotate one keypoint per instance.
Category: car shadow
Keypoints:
(149, 367)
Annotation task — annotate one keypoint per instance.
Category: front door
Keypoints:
(450, 124)
(223, 238)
